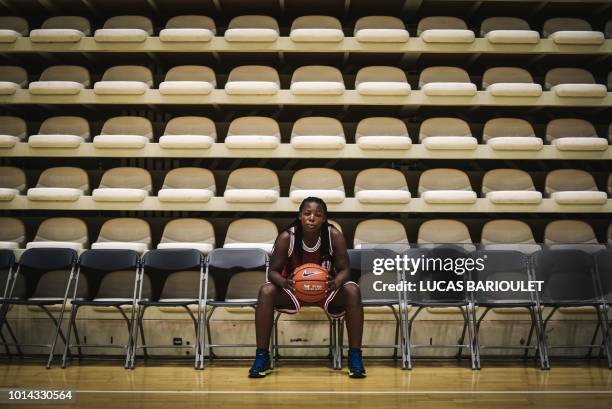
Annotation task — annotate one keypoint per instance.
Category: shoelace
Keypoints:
(355, 361)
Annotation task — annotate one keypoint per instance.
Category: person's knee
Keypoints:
(352, 294)
(267, 292)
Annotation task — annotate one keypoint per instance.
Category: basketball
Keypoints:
(310, 282)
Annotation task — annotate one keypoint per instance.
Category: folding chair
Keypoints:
(603, 266)
(507, 265)
(570, 280)
(7, 263)
(114, 278)
(46, 284)
(176, 276)
(228, 266)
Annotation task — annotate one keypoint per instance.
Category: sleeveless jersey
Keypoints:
(307, 256)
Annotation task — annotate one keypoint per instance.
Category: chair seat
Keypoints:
(8, 88)
(514, 197)
(318, 35)
(251, 88)
(201, 247)
(438, 303)
(379, 303)
(120, 245)
(184, 195)
(580, 90)
(383, 196)
(54, 194)
(119, 195)
(317, 88)
(104, 302)
(56, 35)
(525, 248)
(55, 87)
(120, 141)
(382, 35)
(318, 142)
(120, 35)
(251, 195)
(267, 247)
(251, 141)
(514, 89)
(580, 144)
(8, 36)
(383, 88)
(8, 141)
(384, 142)
(233, 303)
(450, 89)
(513, 37)
(586, 247)
(578, 37)
(328, 195)
(450, 142)
(580, 197)
(511, 143)
(185, 88)
(447, 36)
(55, 141)
(186, 141)
(449, 196)
(251, 35)
(55, 245)
(7, 194)
(191, 35)
(505, 303)
(169, 302)
(120, 88)
(35, 301)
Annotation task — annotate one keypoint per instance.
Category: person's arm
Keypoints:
(278, 260)
(341, 261)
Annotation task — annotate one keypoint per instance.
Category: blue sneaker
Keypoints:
(355, 363)
(261, 366)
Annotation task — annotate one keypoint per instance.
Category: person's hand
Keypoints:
(332, 285)
(288, 284)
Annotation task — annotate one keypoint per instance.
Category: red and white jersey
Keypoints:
(309, 255)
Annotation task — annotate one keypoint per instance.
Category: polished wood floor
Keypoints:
(295, 384)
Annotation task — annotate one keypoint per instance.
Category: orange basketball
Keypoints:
(310, 282)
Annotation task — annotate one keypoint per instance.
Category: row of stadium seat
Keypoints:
(199, 234)
(261, 185)
(306, 80)
(314, 28)
(258, 132)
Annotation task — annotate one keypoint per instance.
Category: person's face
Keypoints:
(312, 217)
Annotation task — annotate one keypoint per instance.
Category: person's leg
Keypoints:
(348, 299)
(270, 296)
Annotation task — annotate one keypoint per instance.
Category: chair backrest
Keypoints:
(254, 125)
(444, 126)
(569, 232)
(499, 127)
(380, 179)
(379, 22)
(440, 22)
(506, 75)
(190, 230)
(191, 125)
(190, 178)
(192, 21)
(48, 264)
(316, 178)
(253, 178)
(443, 74)
(441, 231)
(12, 178)
(63, 229)
(191, 73)
(253, 21)
(362, 272)
(317, 73)
(434, 269)
(64, 176)
(222, 264)
(380, 73)
(13, 125)
(381, 126)
(111, 273)
(502, 23)
(74, 73)
(159, 265)
(13, 73)
(140, 22)
(569, 127)
(129, 73)
(564, 24)
(127, 177)
(254, 73)
(7, 263)
(316, 22)
(126, 229)
(251, 230)
(603, 266)
(68, 22)
(499, 266)
(18, 24)
(379, 231)
(317, 125)
(558, 76)
(12, 229)
(568, 180)
(444, 179)
(506, 179)
(65, 125)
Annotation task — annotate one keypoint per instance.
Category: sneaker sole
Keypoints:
(260, 374)
(356, 375)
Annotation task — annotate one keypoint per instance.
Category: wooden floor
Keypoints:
(431, 384)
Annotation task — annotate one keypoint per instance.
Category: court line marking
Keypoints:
(353, 392)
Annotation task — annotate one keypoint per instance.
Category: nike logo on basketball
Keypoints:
(310, 273)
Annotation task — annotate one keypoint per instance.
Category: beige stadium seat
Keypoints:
(379, 80)
(445, 185)
(60, 184)
(251, 233)
(252, 80)
(317, 132)
(510, 186)
(125, 29)
(317, 80)
(188, 185)
(61, 80)
(124, 80)
(61, 132)
(335, 224)
(380, 185)
(62, 29)
(252, 28)
(380, 29)
(510, 134)
(12, 130)
(12, 78)
(188, 233)
(188, 80)
(444, 29)
(446, 81)
(572, 134)
(132, 132)
(189, 132)
(61, 232)
(571, 234)
(444, 231)
(125, 233)
(319, 182)
(316, 29)
(12, 182)
(373, 232)
(124, 184)
(382, 133)
(573, 82)
(508, 30)
(252, 185)
(188, 28)
(573, 186)
(253, 132)
(504, 234)
(12, 233)
(446, 133)
(571, 31)
(11, 28)
(510, 82)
